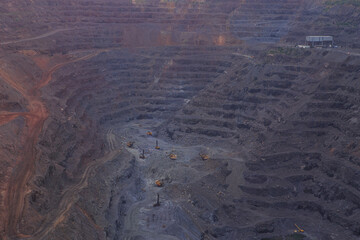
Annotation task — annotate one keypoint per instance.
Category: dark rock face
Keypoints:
(79, 79)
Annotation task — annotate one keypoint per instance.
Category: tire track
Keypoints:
(70, 197)
(37, 37)
(35, 118)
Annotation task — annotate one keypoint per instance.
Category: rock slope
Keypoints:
(79, 79)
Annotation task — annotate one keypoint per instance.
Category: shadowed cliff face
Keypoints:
(79, 79)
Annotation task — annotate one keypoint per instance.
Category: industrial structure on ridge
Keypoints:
(320, 41)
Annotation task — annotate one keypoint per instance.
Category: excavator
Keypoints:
(130, 144)
(204, 156)
(159, 183)
(298, 229)
(173, 156)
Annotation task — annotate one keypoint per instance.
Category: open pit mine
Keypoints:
(179, 119)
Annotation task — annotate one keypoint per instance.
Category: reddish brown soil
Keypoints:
(35, 118)
(222, 78)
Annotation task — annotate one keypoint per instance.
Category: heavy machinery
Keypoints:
(130, 144)
(157, 145)
(298, 229)
(204, 157)
(142, 156)
(149, 133)
(173, 156)
(157, 204)
(159, 183)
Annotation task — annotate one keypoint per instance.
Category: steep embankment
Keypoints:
(79, 79)
(294, 115)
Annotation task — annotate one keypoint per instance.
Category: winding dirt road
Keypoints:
(70, 197)
(24, 169)
(37, 37)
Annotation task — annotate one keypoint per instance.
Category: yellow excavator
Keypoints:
(159, 183)
(204, 157)
(173, 156)
(298, 229)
